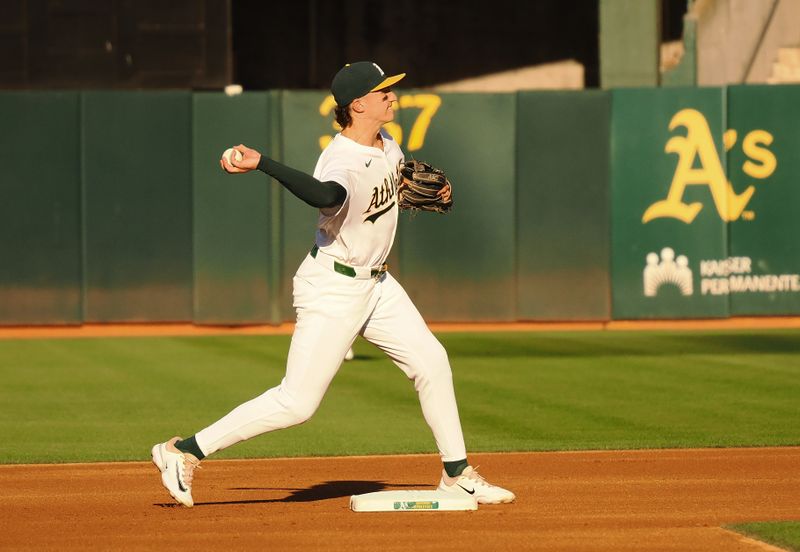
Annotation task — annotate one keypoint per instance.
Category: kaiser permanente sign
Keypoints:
(705, 202)
(734, 275)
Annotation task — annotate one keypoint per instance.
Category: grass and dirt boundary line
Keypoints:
(186, 329)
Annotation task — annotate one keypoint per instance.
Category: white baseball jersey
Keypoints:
(362, 230)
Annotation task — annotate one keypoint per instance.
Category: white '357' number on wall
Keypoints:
(428, 104)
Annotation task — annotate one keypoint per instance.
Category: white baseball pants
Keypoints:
(332, 309)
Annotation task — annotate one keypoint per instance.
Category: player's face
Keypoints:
(378, 105)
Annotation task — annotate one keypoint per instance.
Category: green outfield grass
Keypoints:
(110, 399)
(785, 534)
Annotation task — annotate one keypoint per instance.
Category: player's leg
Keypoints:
(397, 327)
(330, 311)
(317, 350)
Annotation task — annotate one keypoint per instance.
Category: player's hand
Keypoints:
(445, 192)
(249, 161)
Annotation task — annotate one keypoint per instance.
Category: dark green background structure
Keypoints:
(231, 223)
(461, 267)
(40, 208)
(136, 160)
(562, 205)
(641, 175)
(771, 238)
(115, 209)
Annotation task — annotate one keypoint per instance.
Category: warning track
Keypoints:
(142, 330)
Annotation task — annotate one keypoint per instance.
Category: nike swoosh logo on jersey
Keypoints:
(375, 216)
(467, 490)
(368, 163)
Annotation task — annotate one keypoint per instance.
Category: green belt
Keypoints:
(349, 270)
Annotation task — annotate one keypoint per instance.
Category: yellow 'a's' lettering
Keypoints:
(697, 143)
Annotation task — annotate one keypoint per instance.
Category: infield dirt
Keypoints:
(595, 501)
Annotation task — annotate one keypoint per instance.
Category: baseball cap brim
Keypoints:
(389, 81)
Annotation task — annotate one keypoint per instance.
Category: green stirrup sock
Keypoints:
(454, 469)
(190, 445)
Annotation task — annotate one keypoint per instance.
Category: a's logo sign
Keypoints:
(667, 270)
(699, 165)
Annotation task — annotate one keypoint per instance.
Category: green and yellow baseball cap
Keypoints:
(357, 79)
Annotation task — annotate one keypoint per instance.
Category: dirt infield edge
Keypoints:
(185, 329)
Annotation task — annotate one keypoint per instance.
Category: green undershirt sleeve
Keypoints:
(306, 187)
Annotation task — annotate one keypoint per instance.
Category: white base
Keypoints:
(411, 501)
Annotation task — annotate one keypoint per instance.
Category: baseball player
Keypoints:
(341, 290)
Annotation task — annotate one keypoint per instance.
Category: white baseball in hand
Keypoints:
(232, 153)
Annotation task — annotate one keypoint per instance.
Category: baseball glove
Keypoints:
(419, 188)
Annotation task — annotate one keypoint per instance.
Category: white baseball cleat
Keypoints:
(177, 470)
(349, 355)
(471, 483)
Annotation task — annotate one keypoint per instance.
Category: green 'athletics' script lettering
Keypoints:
(381, 195)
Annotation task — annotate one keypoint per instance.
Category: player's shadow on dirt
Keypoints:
(321, 491)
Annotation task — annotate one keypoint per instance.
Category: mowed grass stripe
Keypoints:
(110, 399)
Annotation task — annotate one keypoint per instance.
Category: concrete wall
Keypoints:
(738, 40)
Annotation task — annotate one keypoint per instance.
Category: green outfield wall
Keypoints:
(764, 166)
(232, 244)
(136, 161)
(586, 205)
(704, 195)
(664, 141)
(305, 122)
(462, 266)
(562, 205)
(40, 211)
